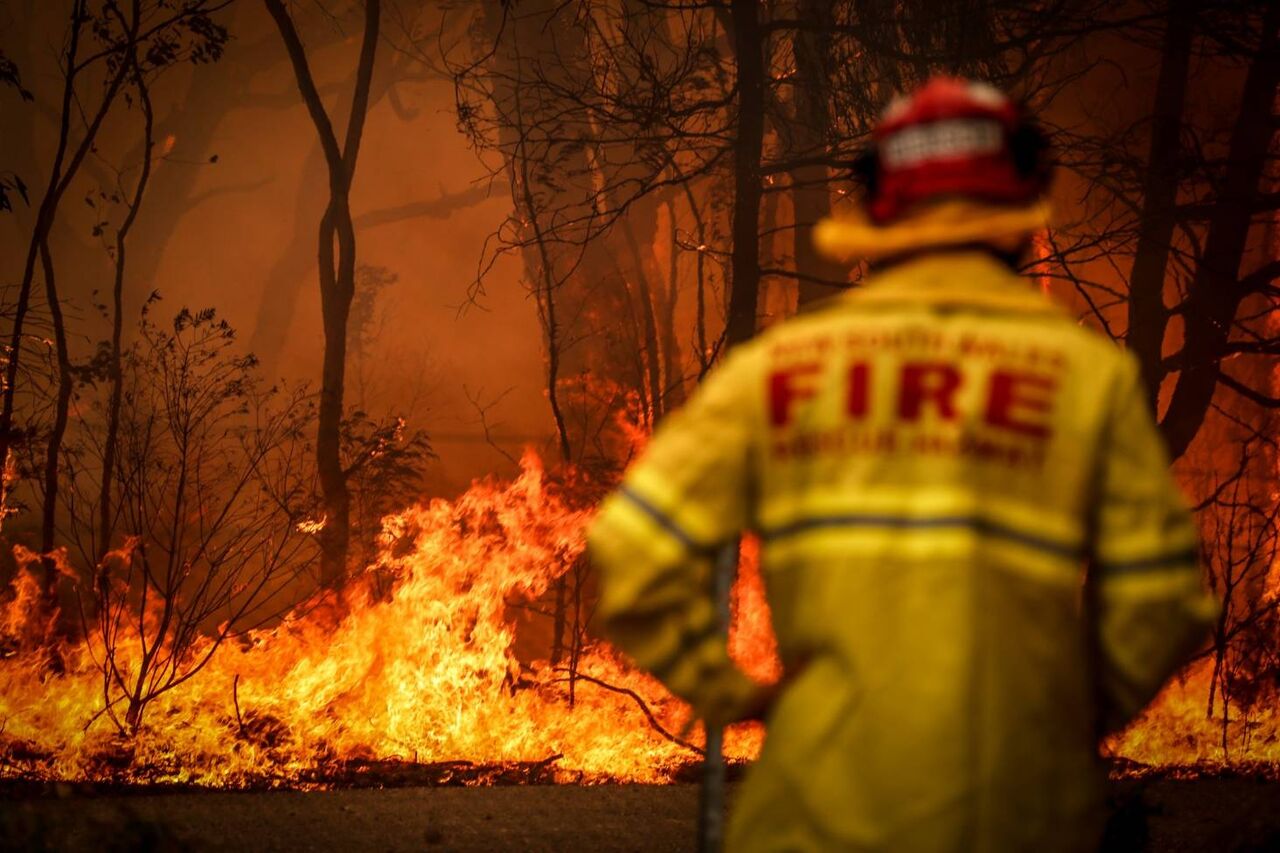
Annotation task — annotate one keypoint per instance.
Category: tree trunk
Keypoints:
(1148, 316)
(546, 286)
(811, 196)
(650, 352)
(193, 125)
(337, 276)
(745, 259)
(60, 178)
(284, 280)
(62, 405)
(559, 616)
(283, 287)
(43, 225)
(111, 441)
(704, 350)
(337, 288)
(672, 367)
(1215, 292)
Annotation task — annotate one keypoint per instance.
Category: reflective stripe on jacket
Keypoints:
(929, 460)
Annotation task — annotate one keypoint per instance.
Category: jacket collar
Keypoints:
(969, 277)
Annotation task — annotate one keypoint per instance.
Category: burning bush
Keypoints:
(426, 674)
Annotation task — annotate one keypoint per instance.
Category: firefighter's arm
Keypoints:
(654, 543)
(1151, 606)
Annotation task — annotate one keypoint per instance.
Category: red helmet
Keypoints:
(952, 137)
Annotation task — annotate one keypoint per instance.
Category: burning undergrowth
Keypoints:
(423, 681)
(423, 685)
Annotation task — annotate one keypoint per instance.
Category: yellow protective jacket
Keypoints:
(930, 462)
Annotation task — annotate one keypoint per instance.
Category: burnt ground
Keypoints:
(1224, 814)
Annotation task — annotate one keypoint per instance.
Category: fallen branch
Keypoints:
(437, 208)
(644, 707)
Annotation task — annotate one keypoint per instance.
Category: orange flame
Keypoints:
(8, 476)
(429, 674)
(426, 675)
(1178, 733)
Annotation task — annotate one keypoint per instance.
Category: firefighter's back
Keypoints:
(929, 461)
(927, 454)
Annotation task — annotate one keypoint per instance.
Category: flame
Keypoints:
(312, 525)
(1179, 733)
(8, 477)
(427, 674)
(751, 640)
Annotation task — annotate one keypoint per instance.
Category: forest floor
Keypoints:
(1222, 814)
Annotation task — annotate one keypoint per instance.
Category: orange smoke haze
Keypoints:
(230, 222)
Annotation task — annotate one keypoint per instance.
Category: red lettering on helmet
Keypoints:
(1016, 399)
(785, 389)
(928, 382)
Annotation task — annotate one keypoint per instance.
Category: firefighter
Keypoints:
(969, 533)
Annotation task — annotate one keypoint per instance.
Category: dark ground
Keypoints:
(1236, 814)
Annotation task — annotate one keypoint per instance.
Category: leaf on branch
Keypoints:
(10, 182)
(10, 76)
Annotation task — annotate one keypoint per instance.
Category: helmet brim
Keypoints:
(936, 225)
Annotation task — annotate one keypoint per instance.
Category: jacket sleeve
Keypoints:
(1151, 606)
(654, 542)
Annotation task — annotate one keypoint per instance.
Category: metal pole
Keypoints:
(711, 806)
